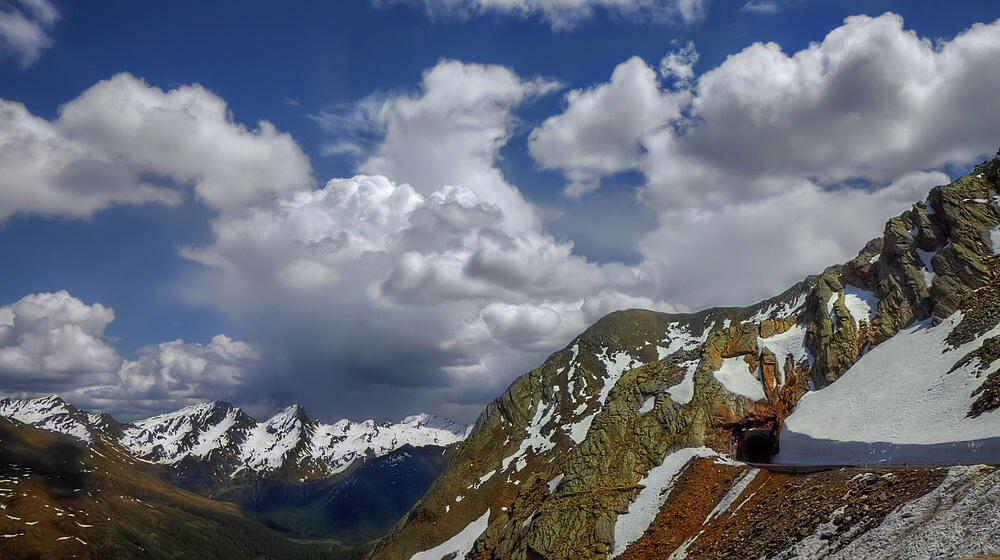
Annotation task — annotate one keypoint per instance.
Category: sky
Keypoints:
(374, 208)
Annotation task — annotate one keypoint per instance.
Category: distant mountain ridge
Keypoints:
(219, 433)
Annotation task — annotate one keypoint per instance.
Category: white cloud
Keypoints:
(125, 142)
(24, 28)
(871, 101)
(172, 375)
(55, 337)
(602, 130)
(54, 343)
(564, 15)
(735, 158)
(451, 132)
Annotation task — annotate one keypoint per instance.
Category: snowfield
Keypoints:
(898, 404)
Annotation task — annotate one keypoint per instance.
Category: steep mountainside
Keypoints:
(577, 458)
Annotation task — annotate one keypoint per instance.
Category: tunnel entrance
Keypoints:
(756, 445)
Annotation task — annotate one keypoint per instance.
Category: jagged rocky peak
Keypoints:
(192, 431)
(554, 462)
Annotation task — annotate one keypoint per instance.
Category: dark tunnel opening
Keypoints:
(757, 445)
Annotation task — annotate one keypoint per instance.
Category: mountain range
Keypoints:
(851, 416)
(301, 477)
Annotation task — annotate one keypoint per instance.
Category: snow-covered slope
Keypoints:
(901, 402)
(234, 442)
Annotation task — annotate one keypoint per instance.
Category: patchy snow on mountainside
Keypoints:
(789, 343)
(270, 442)
(779, 310)
(614, 366)
(680, 337)
(534, 439)
(897, 403)
(459, 545)
(194, 430)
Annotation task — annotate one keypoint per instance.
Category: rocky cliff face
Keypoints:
(557, 462)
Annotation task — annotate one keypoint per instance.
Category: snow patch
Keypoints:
(684, 391)
(647, 405)
(577, 431)
(928, 270)
(860, 304)
(735, 376)
(459, 545)
(554, 483)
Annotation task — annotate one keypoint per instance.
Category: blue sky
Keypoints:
(375, 209)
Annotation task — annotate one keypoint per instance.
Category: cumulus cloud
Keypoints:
(24, 29)
(449, 133)
(871, 101)
(739, 154)
(564, 15)
(125, 142)
(54, 343)
(602, 130)
(373, 284)
(55, 338)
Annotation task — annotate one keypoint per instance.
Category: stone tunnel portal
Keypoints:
(756, 445)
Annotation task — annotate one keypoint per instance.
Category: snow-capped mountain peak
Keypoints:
(224, 435)
(192, 431)
(53, 413)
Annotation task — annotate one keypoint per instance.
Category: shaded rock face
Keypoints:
(560, 455)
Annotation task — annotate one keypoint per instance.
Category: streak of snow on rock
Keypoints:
(459, 545)
(737, 489)
(684, 391)
(656, 487)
